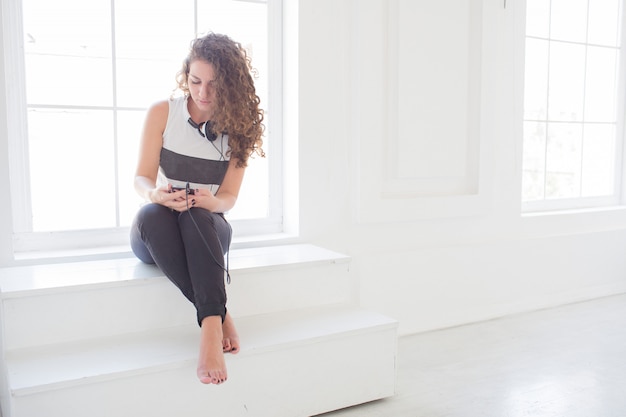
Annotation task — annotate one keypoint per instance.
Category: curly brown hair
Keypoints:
(237, 111)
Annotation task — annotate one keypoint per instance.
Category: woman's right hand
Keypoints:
(160, 195)
(173, 199)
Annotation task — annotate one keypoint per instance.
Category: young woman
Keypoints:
(193, 154)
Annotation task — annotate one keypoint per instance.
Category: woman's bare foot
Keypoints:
(230, 340)
(211, 364)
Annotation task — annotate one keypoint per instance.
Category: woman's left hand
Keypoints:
(202, 198)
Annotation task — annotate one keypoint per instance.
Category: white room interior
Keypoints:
(404, 129)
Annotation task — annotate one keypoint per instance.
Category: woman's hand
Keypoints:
(205, 199)
(175, 199)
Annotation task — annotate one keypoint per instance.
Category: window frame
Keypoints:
(26, 241)
(560, 205)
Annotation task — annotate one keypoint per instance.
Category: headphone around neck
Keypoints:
(206, 126)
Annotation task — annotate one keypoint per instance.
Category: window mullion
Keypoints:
(195, 17)
(620, 172)
(115, 114)
(275, 47)
(547, 113)
(583, 116)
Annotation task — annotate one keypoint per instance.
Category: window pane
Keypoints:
(68, 52)
(598, 160)
(533, 178)
(536, 80)
(129, 126)
(141, 83)
(567, 82)
(160, 33)
(601, 84)
(73, 172)
(604, 24)
(563, 160)
(69, 80)
(150, 48)
(538, 18)
(252, 202)
(243, 21)
(568, 20)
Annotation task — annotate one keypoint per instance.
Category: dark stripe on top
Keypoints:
(191, 169)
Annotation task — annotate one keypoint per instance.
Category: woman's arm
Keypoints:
(150, 153)
(226, 195)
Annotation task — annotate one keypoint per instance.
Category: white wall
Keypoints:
(410, 154)
(5, 212)
(418, 177)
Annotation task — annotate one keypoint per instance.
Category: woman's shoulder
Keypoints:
(160, 105)
(159, 109)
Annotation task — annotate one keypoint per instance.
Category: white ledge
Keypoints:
(78, 363)
(18, 280)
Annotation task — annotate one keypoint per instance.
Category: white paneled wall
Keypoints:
(410, 161)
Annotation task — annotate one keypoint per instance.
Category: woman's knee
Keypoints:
(152, 224)
(196, 216)
(208, 223)
(152, 215)
(138, 246)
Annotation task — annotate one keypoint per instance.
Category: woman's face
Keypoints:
(201, 82)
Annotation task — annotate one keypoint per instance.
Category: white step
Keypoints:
(85, 300)
(116, 338)
(302, 363)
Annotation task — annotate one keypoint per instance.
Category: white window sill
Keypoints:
(124, 251)
(61, 275)
(578, 211)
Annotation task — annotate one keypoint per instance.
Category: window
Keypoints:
(574, 88)
(88, 70)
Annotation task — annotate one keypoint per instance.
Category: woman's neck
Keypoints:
(195, 114)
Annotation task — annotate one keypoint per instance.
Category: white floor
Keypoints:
(568, 361)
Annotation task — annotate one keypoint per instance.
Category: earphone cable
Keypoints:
(226, 268)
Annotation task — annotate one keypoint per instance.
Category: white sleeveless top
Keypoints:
(187, 156)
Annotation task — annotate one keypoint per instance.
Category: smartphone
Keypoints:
(191, 190)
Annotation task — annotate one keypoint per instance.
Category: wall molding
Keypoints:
(418, 130)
